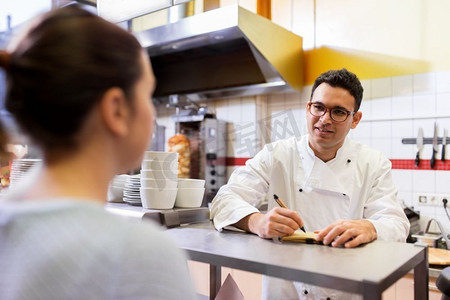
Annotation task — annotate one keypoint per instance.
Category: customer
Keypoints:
(81, 88)
(329, 182)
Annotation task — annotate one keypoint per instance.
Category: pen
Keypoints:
(281, 203)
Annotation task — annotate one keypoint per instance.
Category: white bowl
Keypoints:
(189, 197)
(156, 164)
(148, 155)
(158, 183)
(158, 199)
(191, 183)
(118, 179)
(159, 174)
(115, 193)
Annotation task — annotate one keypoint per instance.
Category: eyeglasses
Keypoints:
(337, 114)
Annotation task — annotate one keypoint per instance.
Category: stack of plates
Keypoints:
(19, 168)
(131, 191)
(116, 186)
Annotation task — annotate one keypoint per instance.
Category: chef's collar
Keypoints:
(340, 154)
(309, 149)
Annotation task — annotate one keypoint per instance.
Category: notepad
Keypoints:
(301, 237)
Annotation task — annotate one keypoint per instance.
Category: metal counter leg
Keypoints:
(421, 278)
(215, 280)
(371, 291)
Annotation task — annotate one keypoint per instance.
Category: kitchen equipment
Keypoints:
(432, 239)
(419, 143)
(444, 143)
(413, 218)
(207, 137)
(435, 146)
(158, 138)
(225, 52)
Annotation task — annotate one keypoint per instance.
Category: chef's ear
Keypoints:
(115, 111)
(356, 118)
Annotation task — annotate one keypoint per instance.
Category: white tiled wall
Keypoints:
(393, 108)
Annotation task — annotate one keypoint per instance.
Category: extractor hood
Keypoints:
(221, 53)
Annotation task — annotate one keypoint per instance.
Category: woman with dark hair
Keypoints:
(80, 87)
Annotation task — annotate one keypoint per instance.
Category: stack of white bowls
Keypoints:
(159, 172)
(115, 188)
(190, 192)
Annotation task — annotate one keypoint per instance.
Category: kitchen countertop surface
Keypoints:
(367, 270)
(137, 213)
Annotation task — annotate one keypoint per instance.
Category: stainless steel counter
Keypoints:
(367, 270)
(165, 217)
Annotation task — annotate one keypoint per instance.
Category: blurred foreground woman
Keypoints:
(80, 87)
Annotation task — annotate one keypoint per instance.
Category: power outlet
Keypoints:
(432, 199)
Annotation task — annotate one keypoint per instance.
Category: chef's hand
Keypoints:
(276, 222)
(349, 233)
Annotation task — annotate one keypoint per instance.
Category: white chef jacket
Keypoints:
(356, 184)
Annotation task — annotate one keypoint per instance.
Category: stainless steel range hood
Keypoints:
(222, 53)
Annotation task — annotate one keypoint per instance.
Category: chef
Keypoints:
(329, 183)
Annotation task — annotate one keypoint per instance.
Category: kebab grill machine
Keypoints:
(200, 140)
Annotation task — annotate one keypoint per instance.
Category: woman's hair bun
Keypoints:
(5, 57)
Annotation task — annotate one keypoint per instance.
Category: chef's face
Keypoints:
(326, 134)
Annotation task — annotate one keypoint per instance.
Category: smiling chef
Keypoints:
(329, 183)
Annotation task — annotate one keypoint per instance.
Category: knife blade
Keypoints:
(435, 147)
(444, 142)
(419, 143)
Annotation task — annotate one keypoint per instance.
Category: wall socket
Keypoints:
(432, 199)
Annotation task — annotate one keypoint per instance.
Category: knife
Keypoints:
(419, 143)
(444, 142)
(435, 147)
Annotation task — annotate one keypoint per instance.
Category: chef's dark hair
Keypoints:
(61, 68)
(342, 79)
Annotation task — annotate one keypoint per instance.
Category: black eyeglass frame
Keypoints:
(310, 103)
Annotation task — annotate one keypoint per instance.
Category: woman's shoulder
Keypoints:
(88, 222)
(133, 232)
(142, 251)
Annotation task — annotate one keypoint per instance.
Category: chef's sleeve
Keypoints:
(245, 191)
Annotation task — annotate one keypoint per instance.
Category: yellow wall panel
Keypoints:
(365, 65)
